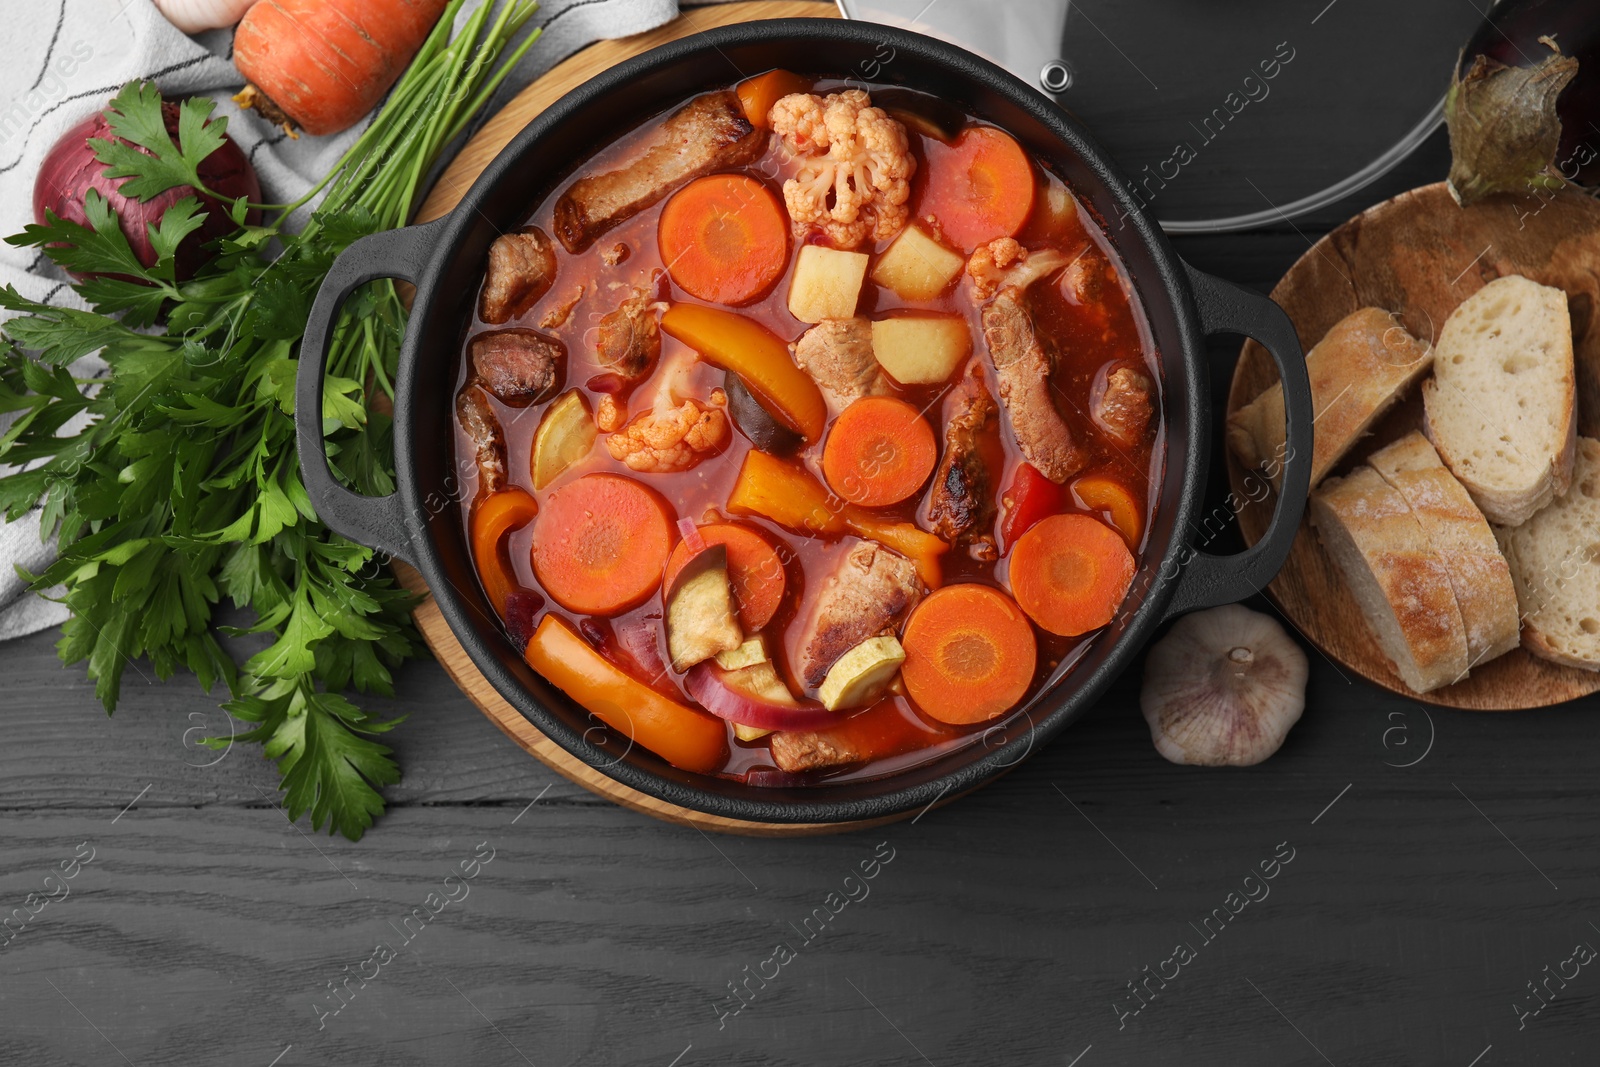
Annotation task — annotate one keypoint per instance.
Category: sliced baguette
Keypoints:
(1361, 367)
(1501, 406)
(1401, 585)
(1457, 531)
(1555, 562)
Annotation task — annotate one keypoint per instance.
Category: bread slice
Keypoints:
(1555, 562)
(1501, 406)
(1359, 368)
(1459, 534)
(1401, 585)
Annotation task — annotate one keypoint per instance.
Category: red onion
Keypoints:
(707, 684)
(689, 530)
(70, 170)
(638, 640)
(766, 778)
(522, 611)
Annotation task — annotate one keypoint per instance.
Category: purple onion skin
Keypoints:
(1510, 35)
(522, 612)
(763, 778)
(70, 170)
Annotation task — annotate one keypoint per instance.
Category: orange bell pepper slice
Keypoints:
(758, 94)
(790, 496)
(1097, 492)
(493, 517)
(683, 736)
(758, 356)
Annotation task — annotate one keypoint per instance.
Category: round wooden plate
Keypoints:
(1419, 255)
(474, 156)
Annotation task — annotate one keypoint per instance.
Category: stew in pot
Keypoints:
(810, 430)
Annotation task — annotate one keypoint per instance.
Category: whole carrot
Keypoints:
(323, 64)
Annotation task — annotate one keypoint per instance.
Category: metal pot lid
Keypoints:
(1190, 97)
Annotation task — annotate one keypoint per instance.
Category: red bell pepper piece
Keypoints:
(1031, 497)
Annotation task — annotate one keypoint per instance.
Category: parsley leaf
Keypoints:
(136, 114)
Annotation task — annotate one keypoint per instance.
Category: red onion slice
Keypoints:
(707, 684)
(767, 778)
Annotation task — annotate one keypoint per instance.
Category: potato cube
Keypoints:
(826, 283)
(921, 349)
(916, 266)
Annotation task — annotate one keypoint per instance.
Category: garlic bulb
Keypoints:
(1223, 688)
(196, 16)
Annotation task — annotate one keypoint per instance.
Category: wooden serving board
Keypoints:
(1419, 255)
(474, 156)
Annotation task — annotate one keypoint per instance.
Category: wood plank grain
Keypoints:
(1003, 930)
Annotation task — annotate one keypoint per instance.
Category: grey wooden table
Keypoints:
(1433, 892)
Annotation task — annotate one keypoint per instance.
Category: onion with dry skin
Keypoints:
(1223, 688)
(70, 170)
(197, 16)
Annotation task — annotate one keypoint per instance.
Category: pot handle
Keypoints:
(1206, 580)
(377, 522)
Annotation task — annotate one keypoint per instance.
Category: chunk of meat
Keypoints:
(855, 167)
(519, 366)
(1122, 405)
(812, 750)
(869, 593)
(628, 340)
(478, 419)
(615, 254)
(708, 133)
(558, 313)
(962, 509)
(522, 268)
(1004, 262)
(668, 439)
(1024, 366)
(837, 353)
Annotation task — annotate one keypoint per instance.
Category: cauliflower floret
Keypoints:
(1004, 262)
(667, 438)
(989, 264)
(855, 166)
(610, 414)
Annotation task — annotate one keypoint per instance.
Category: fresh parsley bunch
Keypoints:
(183, 488)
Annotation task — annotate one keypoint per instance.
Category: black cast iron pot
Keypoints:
(422, 524)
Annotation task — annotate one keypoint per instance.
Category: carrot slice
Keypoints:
(758, 94)
(754, 568)
(879, 452)
(1099, 492)
(980, 187)
(683, 736)
(1070, 573)
(492, 518)
(758, 356)
(970, 654)
(724, 238)
(600, 544)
